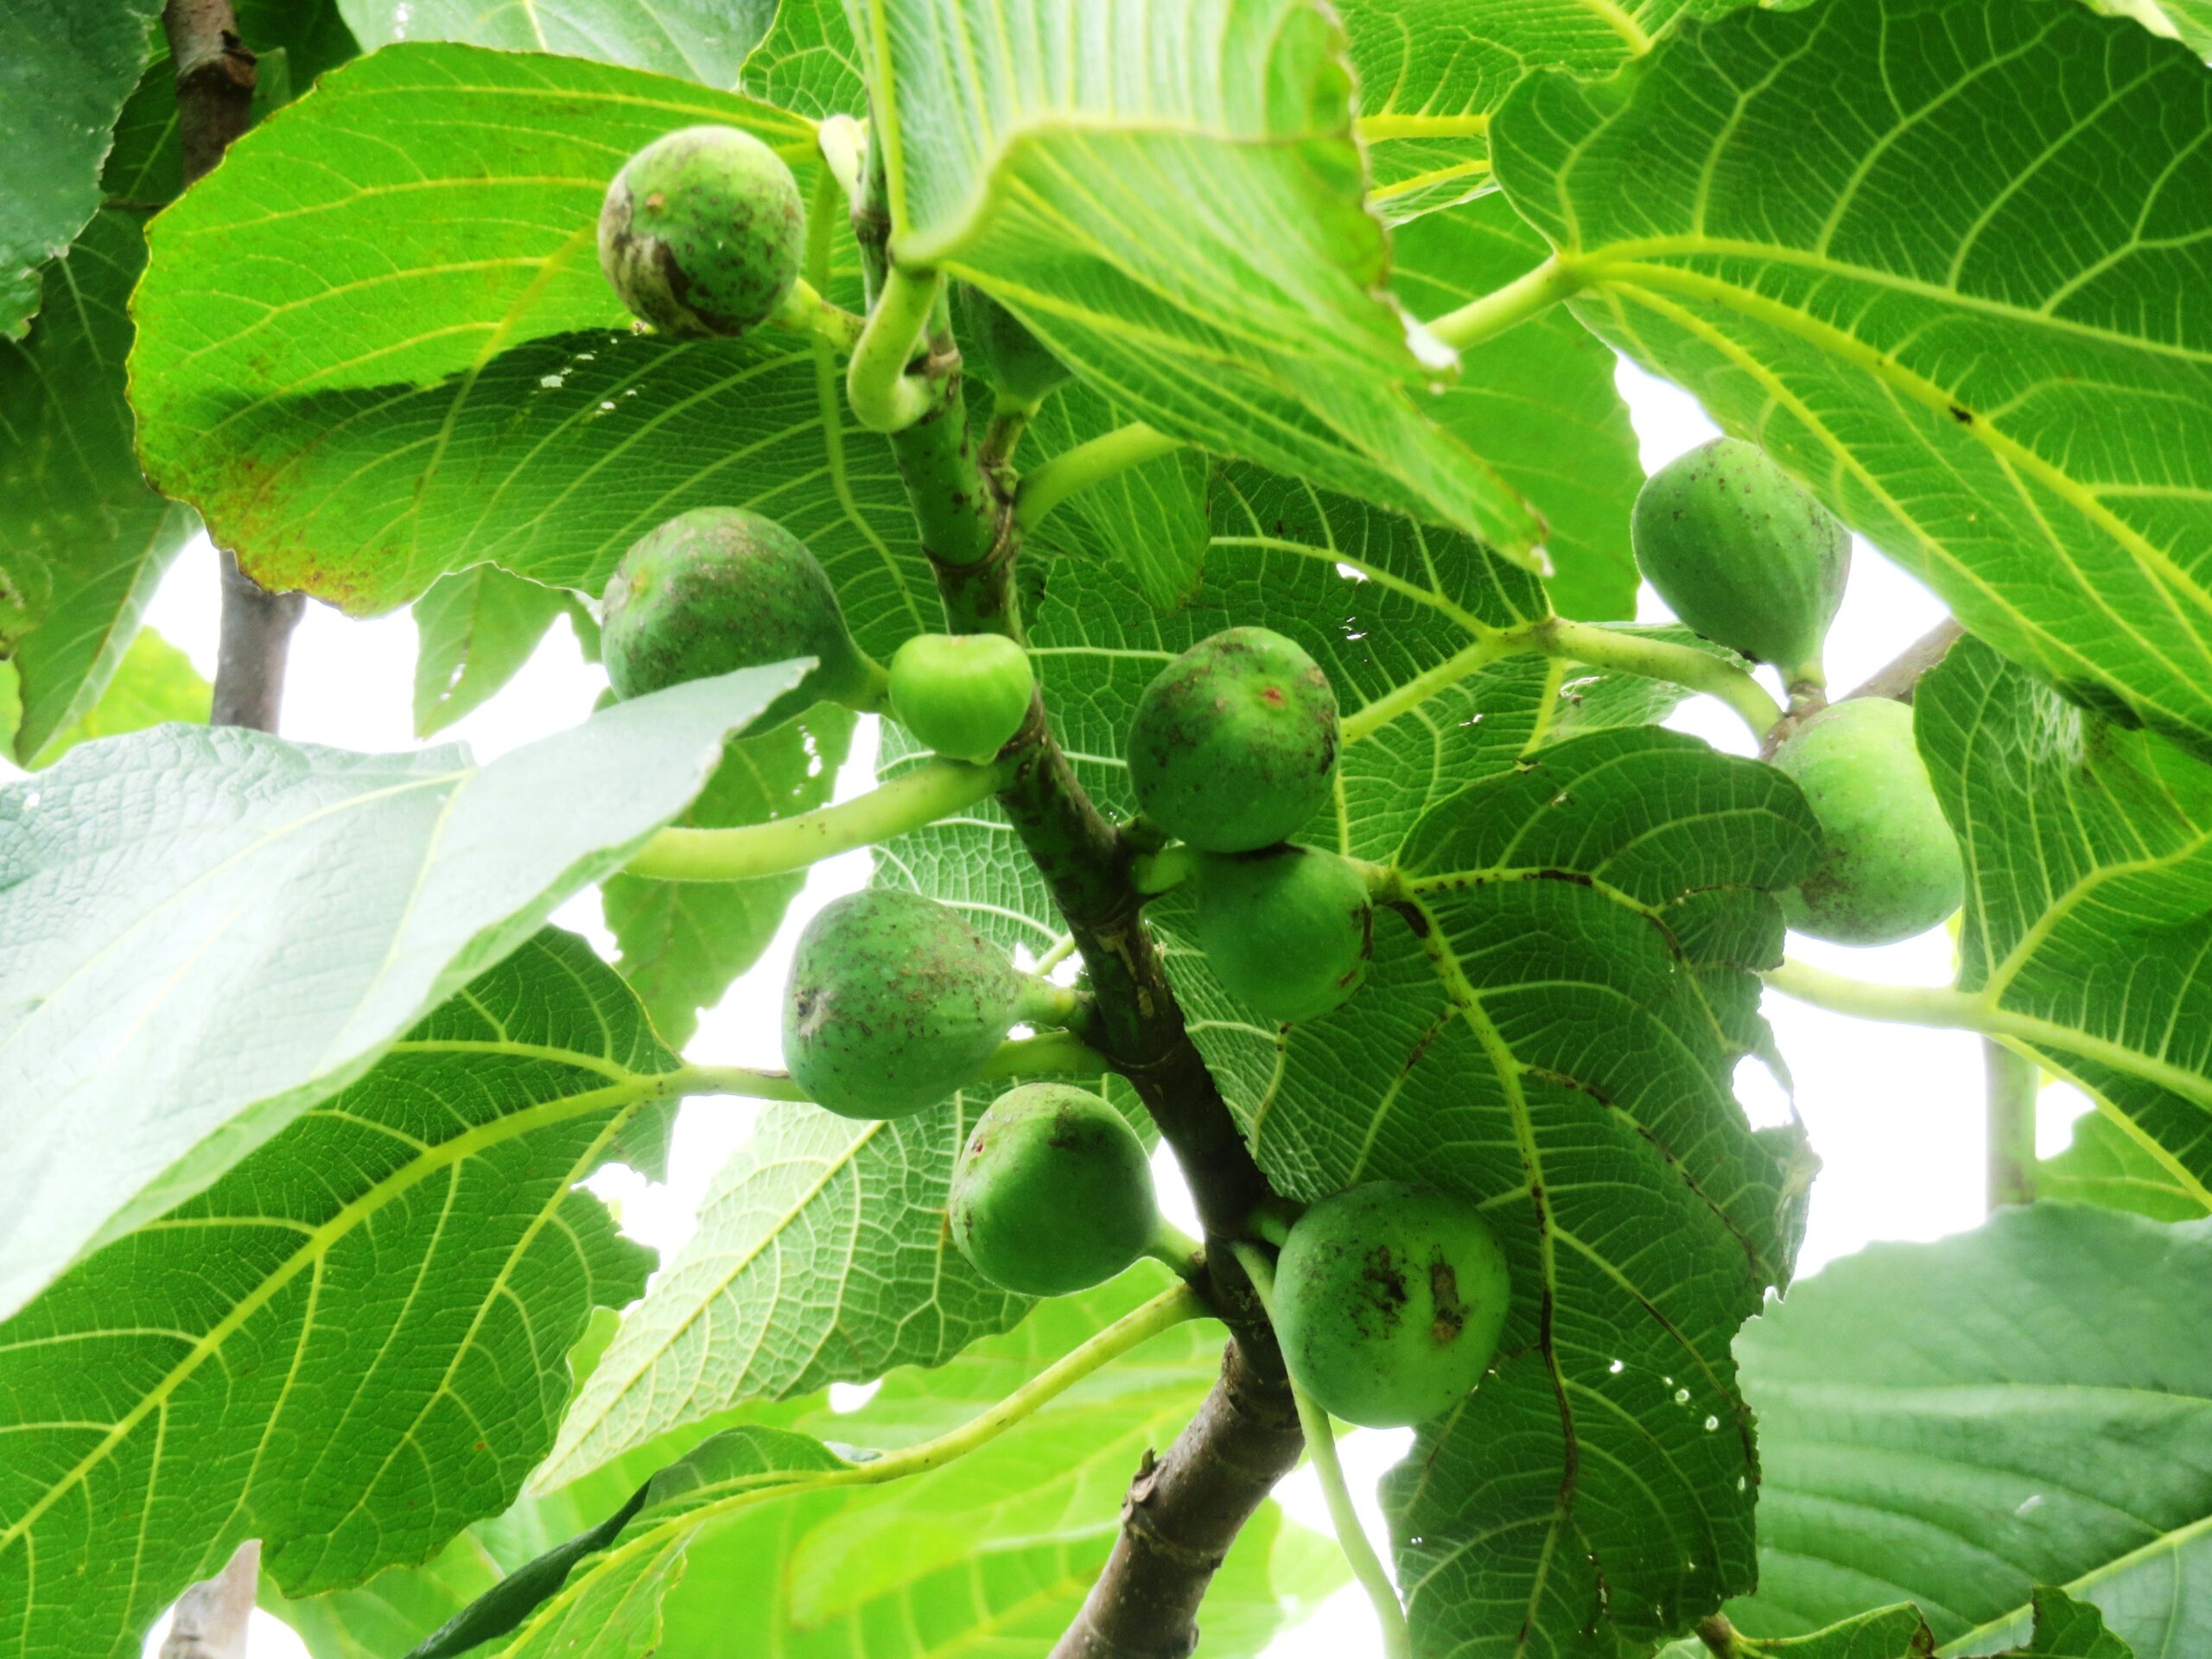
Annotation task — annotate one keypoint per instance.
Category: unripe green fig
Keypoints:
(1052, 1193)
(1743, 554)
(1014, 359)
(1288, 930)
(894, 1002)
(720, 588)
(964, 694)
(1889, 865)
(1233, 743)
(1388, 1302)
(701, 232)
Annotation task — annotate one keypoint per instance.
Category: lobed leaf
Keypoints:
(1172, 201)
(350, 1346)
(203, 933)
(2088, 920)
(1950, 263)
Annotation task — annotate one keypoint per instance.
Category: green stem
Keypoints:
(883, 396)
(1659, 659)
(1901, 1005)
(1176, 1250)
(1169, 868)
(1087, 464)
(2011, 1083)
(1054, 1054)
(1063, 948)
(805, 312)
(1506, 307)
(1365, 722)
(934, 789)
(1321, 1446)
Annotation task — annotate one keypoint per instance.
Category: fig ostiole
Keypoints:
(1743, 554)
(701, 232)
(1889, 865)
(1390, 1300)
(1052, 1192)
(720, 588)
(894, 1002)
(1233, 746)
(1288, 930)
(964, 694)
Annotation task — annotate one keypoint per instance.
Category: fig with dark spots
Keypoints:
(1288, 930)
(717, 589)
(894, 1002)
(1889, 866)
(1390, 1300)
(701, 232)
(1743, 554)
(1052, 1192)
(1013, 359)
(964, 694)
(1233, 743)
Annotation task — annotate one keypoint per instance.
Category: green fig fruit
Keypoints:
(894, 1002)
(1743, 554)
(701, 232)
(964, 694)
(1889, 866)
(1234, 743)
(1014, 359)
(1388, 1302)
(1288, 930)
(719, 588)
(1052, 1193)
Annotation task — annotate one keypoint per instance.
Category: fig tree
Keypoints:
(894, 1002)
(1889, 865)
(1743, 553)
(1052, 1193)
(720, 588)
(1014, 359)
(1389, 1302)
(1288, 930)
(964, 694)
(1233, 743)
(701, 232)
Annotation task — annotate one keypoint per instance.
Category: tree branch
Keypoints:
(1898, 678)
(215, 77)
(2010, 1084)
(1181, 1516)
(1182, 1511)
(212, 1617)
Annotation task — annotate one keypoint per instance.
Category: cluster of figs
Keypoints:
(1391, 1299)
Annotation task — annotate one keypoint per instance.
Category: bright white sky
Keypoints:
(1894, 1112)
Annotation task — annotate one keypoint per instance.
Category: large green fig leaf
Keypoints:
(809, 61)
(353, 1344)
(705, 41)
(2103, 1164)
(1431, 75)
(372, 355)
(155, 682)
(1171, 199)
(1974, 312)
(684, 943)
(66, 68)
(1956, 1423)
(996, 1548)
(2064, 1628)
(2088, 921)
(474, 631)
(203, 933)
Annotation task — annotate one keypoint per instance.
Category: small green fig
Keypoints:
(894, 1002)
(964, 694)
(1288, 930)
(719, 588)
(1052, 1193)
(701, 232)
(1743, 554)
(1889, 865)
(1014, 359)
(1390, 1299)
(1234, 743)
